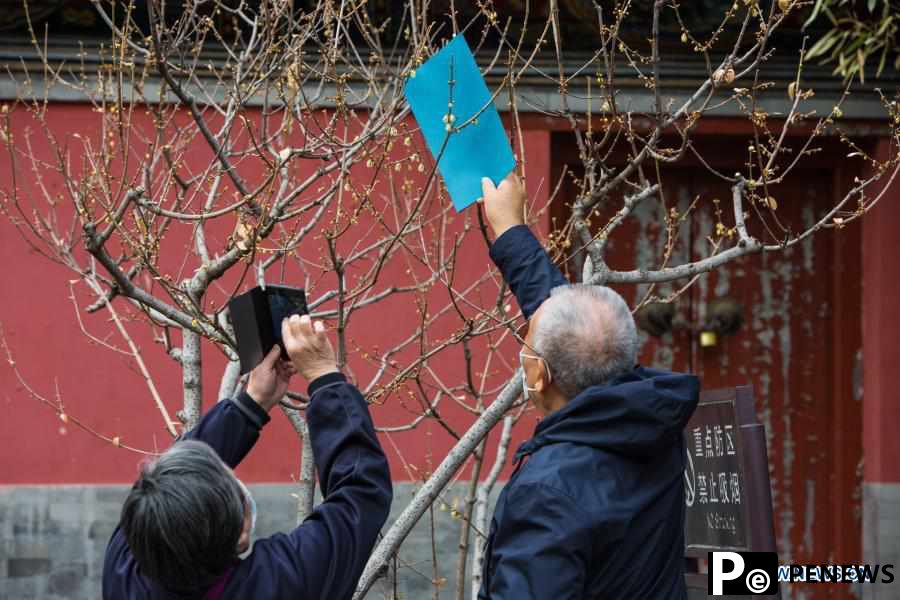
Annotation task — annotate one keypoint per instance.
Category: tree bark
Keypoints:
(306, 486)
(481, 502)
(230, 379)
(191, 378)
(468, 510)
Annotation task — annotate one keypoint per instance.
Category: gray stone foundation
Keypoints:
(881, 536)
(54, 538)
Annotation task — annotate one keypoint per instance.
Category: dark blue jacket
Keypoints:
(595, 507)
(324, 556)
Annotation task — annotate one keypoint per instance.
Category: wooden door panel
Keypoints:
(785, 349)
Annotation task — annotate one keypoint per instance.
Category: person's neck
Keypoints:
(554, 403)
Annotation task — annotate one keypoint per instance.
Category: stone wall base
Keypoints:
(53, 539)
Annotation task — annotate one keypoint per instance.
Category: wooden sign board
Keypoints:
(728, 501)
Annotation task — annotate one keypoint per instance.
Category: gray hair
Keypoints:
(183, 517)
(586, 333)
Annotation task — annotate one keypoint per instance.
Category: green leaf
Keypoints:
(824, 44)
(861, 64)
(815, 12)
(871, 5)
(885, 23)
(842, 69)
(856, 44)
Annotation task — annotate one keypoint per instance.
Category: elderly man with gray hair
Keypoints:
(186, 526)
(595, 506)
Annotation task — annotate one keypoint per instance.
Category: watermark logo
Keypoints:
(758, 573)
(742, 573)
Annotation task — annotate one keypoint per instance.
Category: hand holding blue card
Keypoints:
(449, 83)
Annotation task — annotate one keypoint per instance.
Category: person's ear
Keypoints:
(540, 382)
(536, 375)
(530, 374)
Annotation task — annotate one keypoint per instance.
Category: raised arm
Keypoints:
(232, 426)
(522, 260)
(325, 555)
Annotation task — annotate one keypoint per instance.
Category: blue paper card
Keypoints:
(478, 149)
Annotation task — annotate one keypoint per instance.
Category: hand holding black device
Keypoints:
(256, 316)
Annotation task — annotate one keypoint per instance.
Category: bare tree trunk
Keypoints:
(436, 582)
(191, 378)
(429, 491)
(463, 557)
(230, 379)
(306, 487)
(481, 502)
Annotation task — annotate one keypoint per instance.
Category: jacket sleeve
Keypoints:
(231, 427)
(526, 267)
(325, 556)
(540, 549)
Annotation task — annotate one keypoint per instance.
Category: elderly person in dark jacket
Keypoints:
(595, 506)
(188, 518)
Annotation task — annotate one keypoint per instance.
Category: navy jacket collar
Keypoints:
(636, 414)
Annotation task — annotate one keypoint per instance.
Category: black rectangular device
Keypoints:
(256, 316)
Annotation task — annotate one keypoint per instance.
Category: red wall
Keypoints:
(105, 390)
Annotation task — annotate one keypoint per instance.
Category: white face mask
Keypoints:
(252, 504)
(525, 389)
